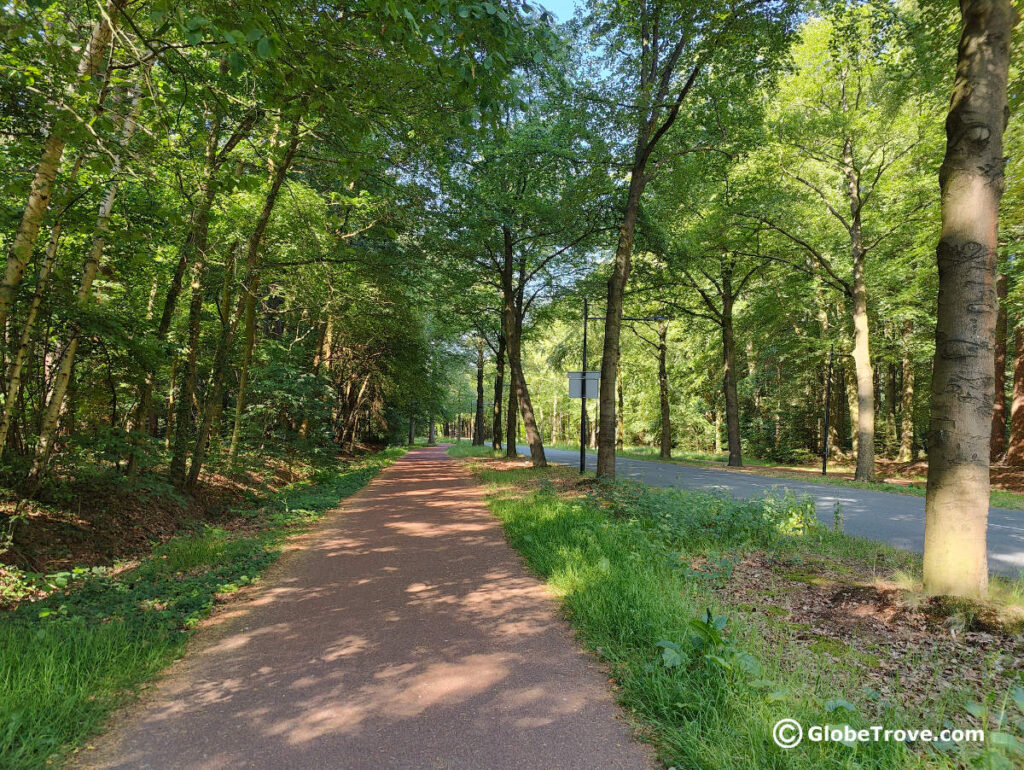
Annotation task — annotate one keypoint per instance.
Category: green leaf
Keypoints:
(264, 49)
(671, 654)
(976, 709)
(236, 62)
(1006, 741)
(839, 703)
(254, 34)
(1018, 696)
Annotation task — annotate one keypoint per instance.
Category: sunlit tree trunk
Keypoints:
(25, 341)
(245, 309)
(998, 448)
(51, 415)
(24, 241)
(732, 402)
(513, 323)
(971, 181)
(861, 332)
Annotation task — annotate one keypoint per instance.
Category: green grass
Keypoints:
(701, 677)
(468, 450)
(68, 660)
(997, 497)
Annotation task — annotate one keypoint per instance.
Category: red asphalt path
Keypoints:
(402, 633)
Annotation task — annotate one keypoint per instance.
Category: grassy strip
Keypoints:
(68, 660)
(999, 498)
(706, 680)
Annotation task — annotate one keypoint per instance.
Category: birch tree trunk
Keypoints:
(24, 342)
(971, 181)
(51, 415)
(24, 241)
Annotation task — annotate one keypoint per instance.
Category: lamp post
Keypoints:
(585, 383)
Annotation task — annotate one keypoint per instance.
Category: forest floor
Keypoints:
(402, 632)
(105, 520)
(801, 622)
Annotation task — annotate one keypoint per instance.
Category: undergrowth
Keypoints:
(67, 660)
(698, 675)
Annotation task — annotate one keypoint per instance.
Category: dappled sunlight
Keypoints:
(406, 612)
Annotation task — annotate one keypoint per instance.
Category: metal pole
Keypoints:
(828, 406)
(583, 401)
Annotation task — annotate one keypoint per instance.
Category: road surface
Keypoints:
(884, 516)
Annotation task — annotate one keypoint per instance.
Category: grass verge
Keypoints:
(999, 498)
(66, 661)
(718, 618)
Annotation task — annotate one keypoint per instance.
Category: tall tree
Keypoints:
(971, 181)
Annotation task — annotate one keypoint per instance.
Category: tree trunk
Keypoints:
(620, 422)
(512, 418)
(499, 385)
(51, 414)
(613, 317)
(732, 402)
(24, 241)
(971, 181)
(478, 432)
(24, 343)
(861, 332)
(998, 448)
(246, 301)
(513, 320)
(1015, 451)
(907, 405)
(666, 414)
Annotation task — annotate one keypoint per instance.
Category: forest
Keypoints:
(255, 251)
(237, 231)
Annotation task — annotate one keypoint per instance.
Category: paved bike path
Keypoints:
(402, 633)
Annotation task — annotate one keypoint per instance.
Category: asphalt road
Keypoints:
(884, 516)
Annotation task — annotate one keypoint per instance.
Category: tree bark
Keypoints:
(1015, 450)
(732, 403)
(246, 304)
(24, 343)
(971, 179)
(499, 385)
(513, 321)
(478, 432)
(666, 414)
(998, 448)
(613, 315)
(861, 332)
(24, 241)
(907, 403)
(620, 423)
(51, 414)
